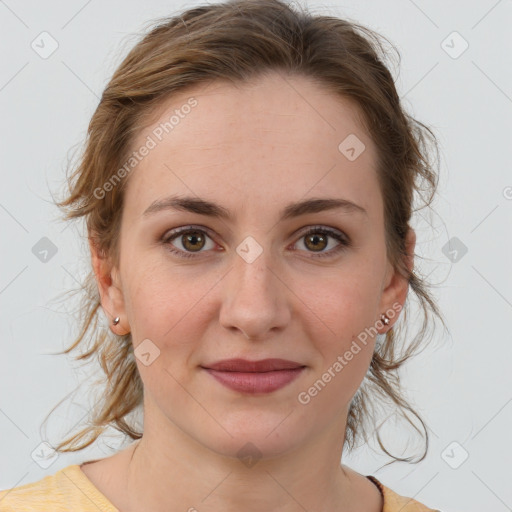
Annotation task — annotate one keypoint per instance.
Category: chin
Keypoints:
(254, 439)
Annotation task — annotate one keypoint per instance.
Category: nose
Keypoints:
(255, 298)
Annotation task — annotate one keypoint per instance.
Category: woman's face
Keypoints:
(252, 284)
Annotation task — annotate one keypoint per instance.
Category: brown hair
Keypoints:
(239, 41)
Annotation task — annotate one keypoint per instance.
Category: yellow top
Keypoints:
(69, 489)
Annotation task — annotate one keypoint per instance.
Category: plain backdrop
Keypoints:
(455, 76)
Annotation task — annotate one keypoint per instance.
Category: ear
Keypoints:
(396, 286)
(110, 289)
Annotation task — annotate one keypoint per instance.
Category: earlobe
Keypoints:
(110, 290)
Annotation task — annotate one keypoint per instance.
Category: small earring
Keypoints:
(384, 318)
(116, 320)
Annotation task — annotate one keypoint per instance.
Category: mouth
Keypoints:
(254, 377)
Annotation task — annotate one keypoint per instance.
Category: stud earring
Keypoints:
(384, 318)
(116, 320)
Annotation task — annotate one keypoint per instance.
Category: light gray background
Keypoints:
(461, 385)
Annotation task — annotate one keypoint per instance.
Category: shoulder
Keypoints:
(394, 502)
(67, 489)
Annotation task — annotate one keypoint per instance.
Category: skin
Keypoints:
(252, 149)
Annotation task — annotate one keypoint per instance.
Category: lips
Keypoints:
(254, 377)
(243, 365)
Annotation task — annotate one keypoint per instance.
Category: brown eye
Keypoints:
(194, 241)
(316, 242)
(186, 242)
(317, 238)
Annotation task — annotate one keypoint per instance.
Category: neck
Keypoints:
(168, 470)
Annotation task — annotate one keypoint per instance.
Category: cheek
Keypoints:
(164, 308)
(161, 299)
(167, 307)
(345, 349)
(342, 310)
(343, 304)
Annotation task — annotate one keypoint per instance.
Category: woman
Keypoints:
(247, 183)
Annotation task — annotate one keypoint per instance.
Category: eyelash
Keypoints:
(344, 240)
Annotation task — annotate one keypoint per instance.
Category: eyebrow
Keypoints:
(210, 209)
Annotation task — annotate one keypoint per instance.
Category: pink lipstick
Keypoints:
(253, 377)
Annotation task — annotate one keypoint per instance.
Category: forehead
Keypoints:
(256, 142)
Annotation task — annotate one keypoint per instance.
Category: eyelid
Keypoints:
(172, 233)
